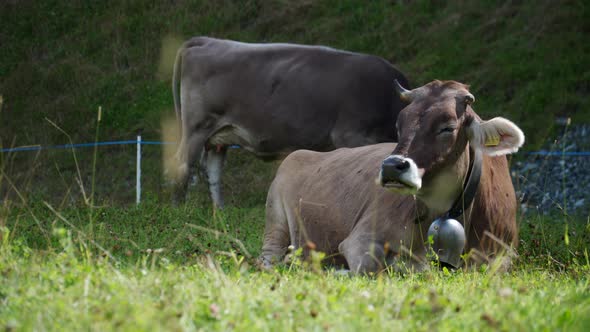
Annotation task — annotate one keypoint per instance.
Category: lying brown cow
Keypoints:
(331, 200)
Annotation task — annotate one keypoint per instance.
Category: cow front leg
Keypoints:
(277, 234)
(362, 256)
(214, 165)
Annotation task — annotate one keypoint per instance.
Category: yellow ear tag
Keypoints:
(492, 141)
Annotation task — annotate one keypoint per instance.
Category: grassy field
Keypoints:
(76, 254)
(164, 268)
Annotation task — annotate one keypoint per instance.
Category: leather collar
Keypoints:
(469, 187)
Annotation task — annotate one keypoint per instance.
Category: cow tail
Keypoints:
(176, 85)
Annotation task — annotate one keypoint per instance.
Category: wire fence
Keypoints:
(139, 142)
(81, 145)
(133, 142)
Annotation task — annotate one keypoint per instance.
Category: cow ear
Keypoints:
(495, 137)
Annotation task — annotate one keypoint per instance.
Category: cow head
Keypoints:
(435, 132)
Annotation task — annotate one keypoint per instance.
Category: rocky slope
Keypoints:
(556, 179)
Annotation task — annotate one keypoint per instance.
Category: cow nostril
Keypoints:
(394, 167)
(403, 165)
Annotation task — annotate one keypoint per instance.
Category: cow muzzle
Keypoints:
(400, 174)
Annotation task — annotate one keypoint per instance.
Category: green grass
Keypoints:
(162, 268)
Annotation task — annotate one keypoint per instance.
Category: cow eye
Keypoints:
(446, 130)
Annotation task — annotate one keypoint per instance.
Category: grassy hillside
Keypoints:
(60, 61)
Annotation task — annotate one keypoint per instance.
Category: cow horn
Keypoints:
(404, 94)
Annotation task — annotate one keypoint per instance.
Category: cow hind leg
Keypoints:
(197, 171)
(188, 153)
(214, 165)
(195, 130)
(180, 174)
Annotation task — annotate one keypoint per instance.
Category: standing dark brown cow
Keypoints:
(331, 199)
(272, 99)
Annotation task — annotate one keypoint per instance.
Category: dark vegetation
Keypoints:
(61, 60)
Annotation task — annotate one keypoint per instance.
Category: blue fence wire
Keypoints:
(129, 142)
(86, 145)
(560, 153)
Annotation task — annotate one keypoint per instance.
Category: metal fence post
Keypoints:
(138, 172)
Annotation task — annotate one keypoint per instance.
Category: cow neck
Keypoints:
(469, 187)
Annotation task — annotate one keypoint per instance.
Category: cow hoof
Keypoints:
(264, 264)
(178, 201)
(342, 273)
